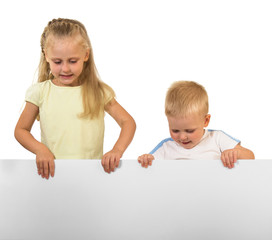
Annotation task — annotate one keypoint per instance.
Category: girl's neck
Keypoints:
(56, 82)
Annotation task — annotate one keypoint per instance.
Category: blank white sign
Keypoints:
(189, 200)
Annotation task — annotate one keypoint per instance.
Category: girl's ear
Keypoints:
(45, 55)
(207, 120)
(87, 55)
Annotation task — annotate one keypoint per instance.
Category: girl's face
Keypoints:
(188, 131)
(66, 57)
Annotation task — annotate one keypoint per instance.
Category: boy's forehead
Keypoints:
(188, 121)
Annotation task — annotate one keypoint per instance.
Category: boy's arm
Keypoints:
(44, 158)
(244, 153)
(230, 156)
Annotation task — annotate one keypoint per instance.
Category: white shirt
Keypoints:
(211, 145)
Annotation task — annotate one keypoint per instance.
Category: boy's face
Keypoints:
(188, 131)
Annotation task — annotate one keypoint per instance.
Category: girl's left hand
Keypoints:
(111, 160)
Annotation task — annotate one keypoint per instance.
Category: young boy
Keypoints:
(186, 108)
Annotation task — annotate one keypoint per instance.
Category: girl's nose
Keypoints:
(65, 67)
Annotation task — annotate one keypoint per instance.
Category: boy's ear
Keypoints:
(207, 120)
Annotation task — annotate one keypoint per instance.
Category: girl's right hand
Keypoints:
(45, 162)
(146, 160)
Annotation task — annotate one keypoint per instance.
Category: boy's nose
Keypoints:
(182, 136)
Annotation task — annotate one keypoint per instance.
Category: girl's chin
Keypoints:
(65, 81)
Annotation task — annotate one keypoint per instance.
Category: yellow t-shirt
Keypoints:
(62, 130)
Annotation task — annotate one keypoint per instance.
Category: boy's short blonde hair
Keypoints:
(184, 98)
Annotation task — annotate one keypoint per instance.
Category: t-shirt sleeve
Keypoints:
(108, 95)
(158, 152)
(33, 94)
(226, 141)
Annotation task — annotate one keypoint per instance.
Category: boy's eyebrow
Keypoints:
(188, 129)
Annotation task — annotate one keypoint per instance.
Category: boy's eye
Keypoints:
(175, 131)
(190, 131)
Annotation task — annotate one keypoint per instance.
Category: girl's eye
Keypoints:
(190, 131)
(57, 62)
(73, 61)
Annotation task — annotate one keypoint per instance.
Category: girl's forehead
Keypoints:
(58, 41)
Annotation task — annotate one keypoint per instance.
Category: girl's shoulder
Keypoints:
(108, 93)
(36, 91)
(40, 85)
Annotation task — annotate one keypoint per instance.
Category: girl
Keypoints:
(69, 100)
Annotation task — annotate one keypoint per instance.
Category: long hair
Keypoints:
(94, 91)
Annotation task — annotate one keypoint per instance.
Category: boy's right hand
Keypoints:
(45, 162)
(146, 160)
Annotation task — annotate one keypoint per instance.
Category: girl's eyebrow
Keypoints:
(57, 58)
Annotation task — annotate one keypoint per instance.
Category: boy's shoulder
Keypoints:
(219, 134)
(164, 142)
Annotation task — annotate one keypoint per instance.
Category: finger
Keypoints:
(143, 164)
(52, 168)
(41, 169)
(150, 159)
(106, 164)
(235, 156)
(46, 171)
(232, 159)
(117, 161)
(227, 161)
(223, 160)
(112, 163)
(103, 161)
(38, 167)
(146, 160)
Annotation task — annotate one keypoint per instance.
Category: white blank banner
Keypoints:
(191, 200)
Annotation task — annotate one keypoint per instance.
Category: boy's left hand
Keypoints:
(111, 160)
(229, 157)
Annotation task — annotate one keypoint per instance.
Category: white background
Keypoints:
(140, 48)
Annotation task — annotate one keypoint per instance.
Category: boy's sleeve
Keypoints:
(33, 94)
(159, 152)
(226, 141)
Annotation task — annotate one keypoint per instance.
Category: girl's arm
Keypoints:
(44, 158)
(127, 124)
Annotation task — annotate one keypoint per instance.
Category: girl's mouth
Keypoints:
(66, 76)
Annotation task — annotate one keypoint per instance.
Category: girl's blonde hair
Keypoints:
(184, 98)
(94, 91)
